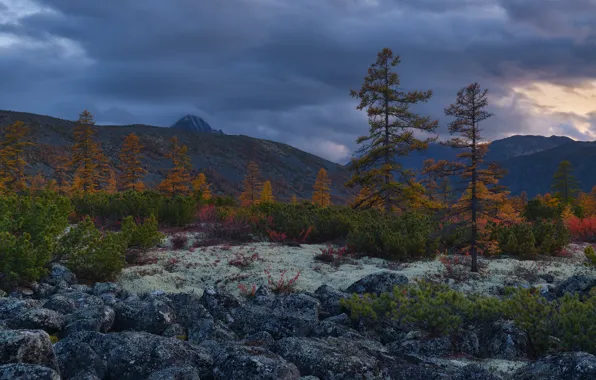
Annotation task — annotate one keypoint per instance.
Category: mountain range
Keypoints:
(531, 161)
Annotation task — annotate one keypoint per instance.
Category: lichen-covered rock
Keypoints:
(503, 340)
(188, 308)
(94, 318)
(151, 315)
(101, 288)
(329, 298)
(27, 372)
(44, 290)
(28, 347)
(562, 366)
(219, 303)
(577, 284)
(328, 358)
(176, 373)
(133, 355)
(260, 339)
(175, 330)
(38, 319)
(241, 362)
(474, 372)
(210, 329)
(288, 315)
(77, 358)
(59, 273)
(334, 326)
(377, 283)
(433, 347)
(69, 302)
(13, 307)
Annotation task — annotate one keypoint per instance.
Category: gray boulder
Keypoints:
(94, 318)
(210, 329)
(176, 373)
(577, 284)
(38, 319)
(27, 347)
(151, 315)
(27, 372)
(240, 362)
(567, 366)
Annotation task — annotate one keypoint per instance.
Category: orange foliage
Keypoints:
(12, 157)
(88, 160)
(201, 187)
(252, 185)
(38, 183)
(267, 193)
(131, 165)
(588, 202)
(178, 179)
(321, 191)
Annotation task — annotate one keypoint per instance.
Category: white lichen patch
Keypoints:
(194, 269)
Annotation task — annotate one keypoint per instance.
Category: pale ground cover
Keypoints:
(194, 269)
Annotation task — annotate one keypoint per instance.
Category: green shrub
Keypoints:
(142, 236)
(551, 236)
(536, 210)
(393, 237)
(433, 308)
(590, 255)
(91, 254)
(529, 239)
(177, 211)
(29, 227)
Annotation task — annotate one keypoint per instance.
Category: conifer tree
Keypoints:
(392, 126)
(267, 193)
(251, 185)
(565, 184)
(61, 174)
(88, 160)
(112, 186)
(294, 200)
(201, 187)
(482, 190)
(321, 191)
(12, 156)
(38, 183)
(178, 180)
(131, 164)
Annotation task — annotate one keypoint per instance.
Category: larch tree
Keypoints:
(251, 186)
(131, 165)
(38, 182)
(482, 190)
(88, 161)
(321, 191)
(112, 185)
(267, 193)
(177, 182)
(391, 135)
(201, 187)
(12, 156)
(61, 174)
(565, 185)
(294, 200)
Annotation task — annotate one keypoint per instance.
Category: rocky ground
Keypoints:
(59, 329)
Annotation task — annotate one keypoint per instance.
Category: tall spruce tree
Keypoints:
(392, 126)
(482, 190)
(565, 185)
(88, 161)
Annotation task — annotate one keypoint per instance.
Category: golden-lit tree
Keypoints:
(252, 185)
(587, 202)
(131, 165)
(112, 186)
(38, 182)
(393, 132)
(366, 196)
(201, 188)
(294, 200)
(177, 182)
(88, 161)
(62, 185)
(321, 191)
(12, 156)
(267, 193)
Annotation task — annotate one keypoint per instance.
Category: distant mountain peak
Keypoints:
(195, 124)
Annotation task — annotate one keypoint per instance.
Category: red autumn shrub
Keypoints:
(583, 229)
(282, 284)
(207, 214)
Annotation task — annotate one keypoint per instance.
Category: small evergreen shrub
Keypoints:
(142, 236)
(590, 255)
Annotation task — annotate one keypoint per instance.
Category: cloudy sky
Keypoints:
(282, 69)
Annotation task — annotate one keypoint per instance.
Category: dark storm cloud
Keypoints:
(283, 69)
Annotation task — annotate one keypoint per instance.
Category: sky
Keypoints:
(283, 69)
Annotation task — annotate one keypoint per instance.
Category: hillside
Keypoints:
(223, 158)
